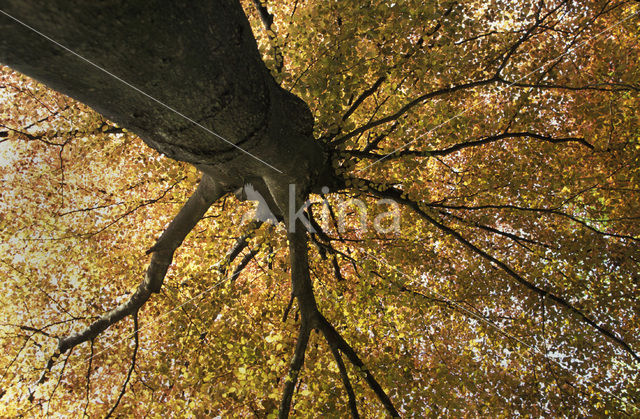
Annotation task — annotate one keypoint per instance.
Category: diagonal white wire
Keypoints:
(501, 330)
(482, 319)
(138, 90)
(500, 90)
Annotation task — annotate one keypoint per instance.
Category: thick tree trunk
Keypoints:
(188, 79)
(167, 58)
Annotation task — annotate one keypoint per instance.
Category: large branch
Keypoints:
(398, 196)
(411, 104)
(471, 143)
(302, 290)
(334, 338)
(192, 211)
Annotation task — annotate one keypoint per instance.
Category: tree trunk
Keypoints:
(186, 77)
(189, 80)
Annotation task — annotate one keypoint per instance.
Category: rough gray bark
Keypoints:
(189, 80)
(199, 59)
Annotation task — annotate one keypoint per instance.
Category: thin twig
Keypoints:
(131, 367)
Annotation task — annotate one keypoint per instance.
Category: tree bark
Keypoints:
(186, 77)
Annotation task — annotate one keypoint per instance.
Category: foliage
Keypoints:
(512, 124)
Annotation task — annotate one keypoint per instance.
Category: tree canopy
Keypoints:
(503, 135)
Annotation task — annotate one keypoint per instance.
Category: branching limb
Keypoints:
(133, 364)
(399, 197)
(294, 369)
(53, 392)
(302, 290)
(542, 292)
(363, 96)
(243, 264)
(472, 143)
(373, 144)
(193, 210)
(334, 338)
(241, 243)
(376, 85)
(345, 380)
(47, 137)
(603, 86)
(497, 77)
(411, 104)
(527, 35)
(129, 211)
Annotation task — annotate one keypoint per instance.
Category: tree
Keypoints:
(506, 133)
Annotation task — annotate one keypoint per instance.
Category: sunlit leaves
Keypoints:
(444, 331)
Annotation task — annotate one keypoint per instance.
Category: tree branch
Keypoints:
(472, 143)
(334, 338)
(294, 369)
(243, 264)
(88, 379)
(267, 21)
(397, 195)
(128, 212)
(550, 211)
(345, 380)
(136, 340)
(507, 56)
(364, 95)
(64, 366)
(516, 238)
(410, 105)
(241, 243)
(527, 35)
(311, 317)
(302, 290)
(598, 87)
(373, 144)
(193, 210)
(376, 85)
